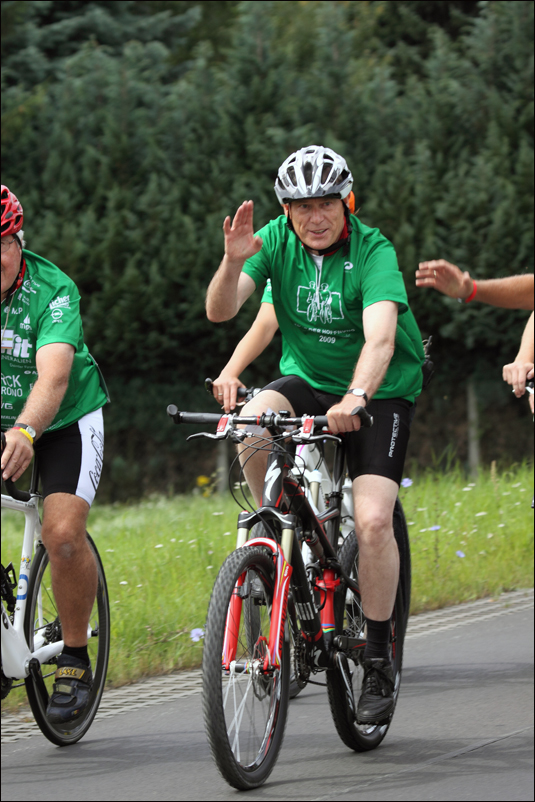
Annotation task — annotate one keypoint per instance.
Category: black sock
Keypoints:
(80, 652)
(378, 639)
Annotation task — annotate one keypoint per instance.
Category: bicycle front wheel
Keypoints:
(350, 621)
(42, 626)
(245, 707)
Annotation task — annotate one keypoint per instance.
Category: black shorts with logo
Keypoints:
(379, 450)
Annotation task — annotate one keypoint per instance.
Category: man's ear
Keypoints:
(286, 207)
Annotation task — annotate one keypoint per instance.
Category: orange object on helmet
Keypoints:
(12, 214)
(350, 200)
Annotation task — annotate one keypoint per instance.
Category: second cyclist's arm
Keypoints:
(248, 349)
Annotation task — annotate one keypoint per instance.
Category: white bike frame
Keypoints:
(16, 654)
(307, 457)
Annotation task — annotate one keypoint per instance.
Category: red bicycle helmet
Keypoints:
(12, 214)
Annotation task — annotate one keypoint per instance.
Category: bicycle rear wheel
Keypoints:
(350, 621)
(245, 709)
(42, 626)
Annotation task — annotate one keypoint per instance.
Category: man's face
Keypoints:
(318, 222)
(10, 262)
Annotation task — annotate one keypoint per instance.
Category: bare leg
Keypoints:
(374, 498)
(255, 466)
(72, 565)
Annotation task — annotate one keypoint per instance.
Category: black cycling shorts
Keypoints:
(70, 459)
(379, 450)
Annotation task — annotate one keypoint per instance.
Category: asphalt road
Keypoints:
(463, 730)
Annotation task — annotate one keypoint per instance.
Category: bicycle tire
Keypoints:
(349, 620)
(244, 713)
(41, 612)
(401, 533)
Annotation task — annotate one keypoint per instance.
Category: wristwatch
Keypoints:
(358, 392)
(31, 431)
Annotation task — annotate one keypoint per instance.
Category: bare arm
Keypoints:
(252, 345)
(512, 292)
(54, 363)
(521, 369)
(380, 321)
(230, 287)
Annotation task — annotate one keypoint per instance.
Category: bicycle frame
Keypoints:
(320, 533)
(16, 655)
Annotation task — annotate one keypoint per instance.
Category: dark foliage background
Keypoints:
(131, 129)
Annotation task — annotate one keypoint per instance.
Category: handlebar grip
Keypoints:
(365, 418)
(192, 417)
(18, 495)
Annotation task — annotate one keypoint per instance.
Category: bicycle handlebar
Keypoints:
(13, 491)
(265, 420)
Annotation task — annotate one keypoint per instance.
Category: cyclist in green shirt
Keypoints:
(349, 339)
(52, 399)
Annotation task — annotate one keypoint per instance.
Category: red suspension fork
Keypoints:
(232, 625)
(327, 586)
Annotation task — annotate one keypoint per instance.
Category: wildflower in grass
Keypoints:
(411, 523)
(421, 509)
(173, 540)
(460, 554)
(202, 481)
(490, 534)
(406, 482)
(110, 550)
(208, 567)
(467, 488)
(225, 534)
(159, 546)
(423, 530)
(196, 634)
(517, 484)
(458, 503)
(139, 586)
(124, 582)
(471, 484)
(217, 513)
(479, 514)
(500, 526)
(434, 528)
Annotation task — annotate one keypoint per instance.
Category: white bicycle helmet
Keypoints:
(313, 172)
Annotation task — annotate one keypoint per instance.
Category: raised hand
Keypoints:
(240, 241)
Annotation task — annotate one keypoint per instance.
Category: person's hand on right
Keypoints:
(444, 277)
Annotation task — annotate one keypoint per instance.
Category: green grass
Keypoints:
(161, 558)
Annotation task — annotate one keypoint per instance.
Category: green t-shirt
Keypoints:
(44, 310)
(319, 303)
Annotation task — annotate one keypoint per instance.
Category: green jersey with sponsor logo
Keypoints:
(319, 302)
(45, 310)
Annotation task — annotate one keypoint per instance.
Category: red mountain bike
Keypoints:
(270, 615)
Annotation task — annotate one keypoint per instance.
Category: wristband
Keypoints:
(471, 296)
(24, 431)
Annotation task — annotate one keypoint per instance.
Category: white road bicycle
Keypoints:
(31, 629)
